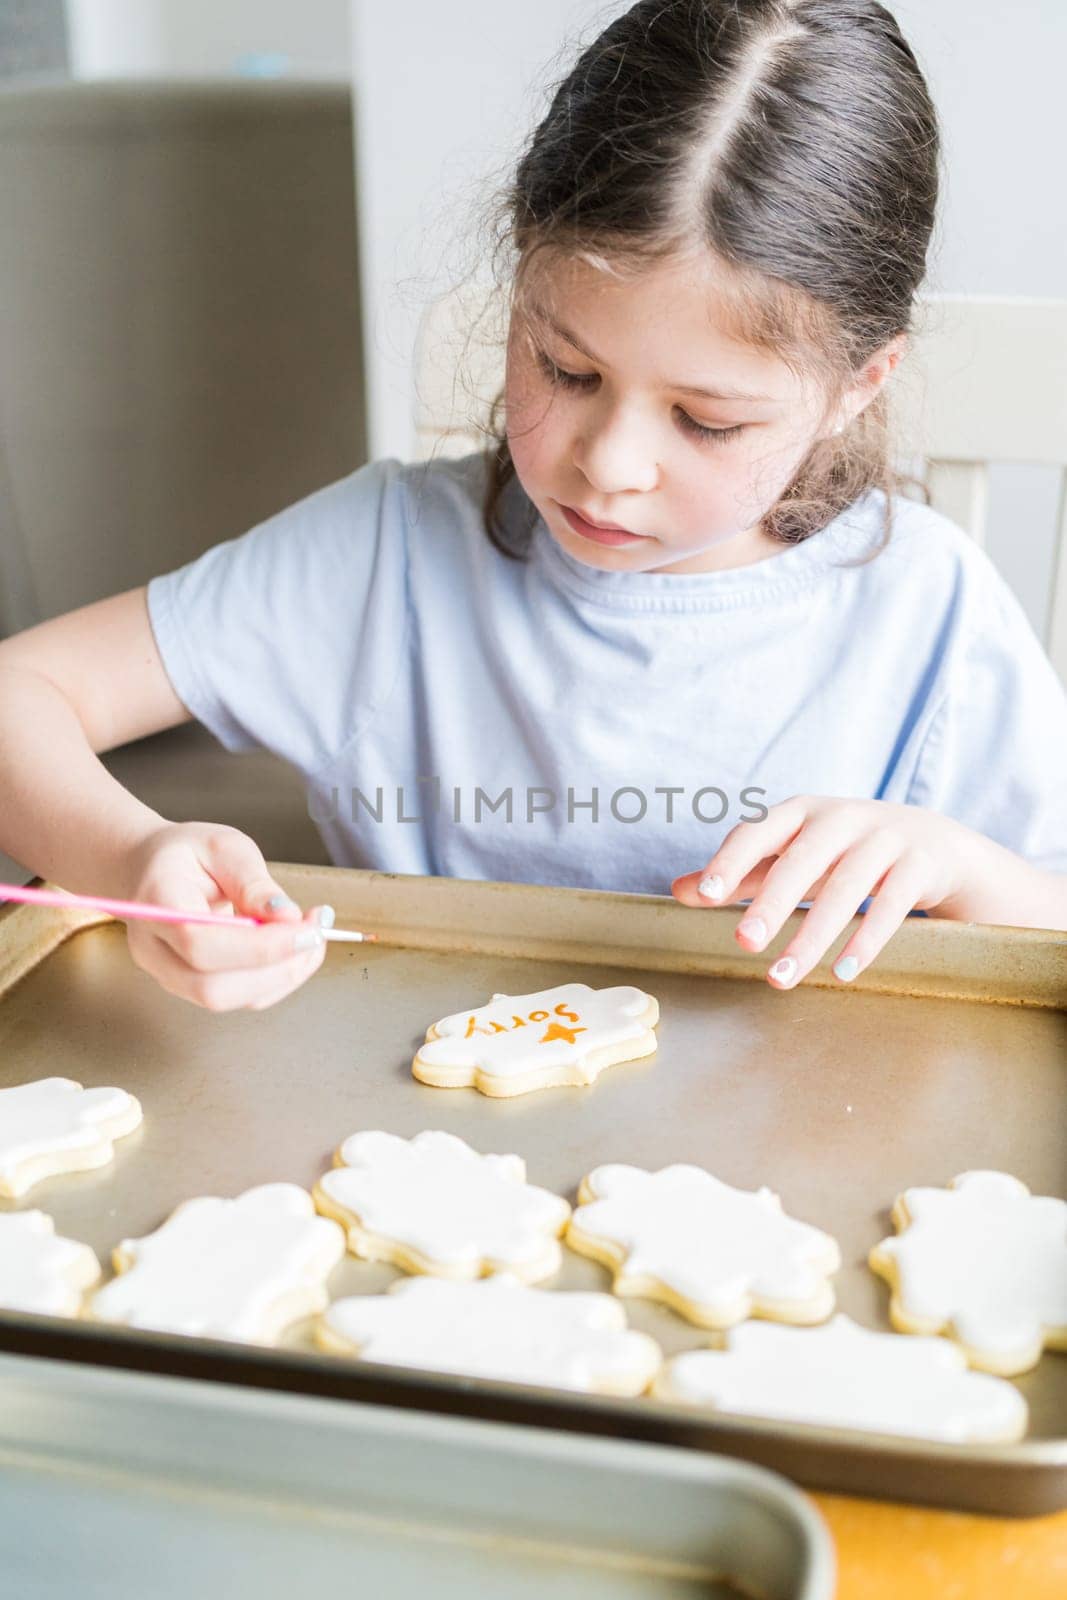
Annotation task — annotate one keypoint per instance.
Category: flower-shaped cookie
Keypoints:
(984, 1261)
(432, 1204)
(226, 1269)
(844, 1376)
(714, 1253)
(565, 1035)
(54, 1125)
(40, 1272)
(496, 1328)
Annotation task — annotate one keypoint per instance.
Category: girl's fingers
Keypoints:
(230, 990)
(282, 991)
(741, 852)
(815, 859)
(237, 865)
(831, 853)
(687, 890)
(899, 893)
(857, 873)
(219, 949)
(196, 864)
(290, 976)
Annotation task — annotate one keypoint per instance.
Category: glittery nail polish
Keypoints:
(711, 888)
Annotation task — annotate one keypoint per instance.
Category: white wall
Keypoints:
(191, 38)
(445, 94)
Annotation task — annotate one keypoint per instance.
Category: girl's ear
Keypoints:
(874, 373)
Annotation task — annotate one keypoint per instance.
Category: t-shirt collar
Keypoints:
(797, 566)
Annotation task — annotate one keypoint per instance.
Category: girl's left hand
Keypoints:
(834, 853)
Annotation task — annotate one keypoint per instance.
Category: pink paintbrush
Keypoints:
(140, 910)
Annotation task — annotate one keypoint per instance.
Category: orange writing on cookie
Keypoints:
(555, 1030)
(577, 1032)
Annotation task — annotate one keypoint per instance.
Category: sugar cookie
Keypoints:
(565, 1035)
(983, 1261)
(54, 1125)
(432, 1204)
(714, 1253)
(496, 1328)
(226, 1269)
(39, 1271)
(844, 1376)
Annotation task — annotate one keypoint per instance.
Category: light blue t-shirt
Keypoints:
(458, 712)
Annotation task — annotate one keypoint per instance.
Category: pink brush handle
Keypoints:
(137, 909)
(140, 910)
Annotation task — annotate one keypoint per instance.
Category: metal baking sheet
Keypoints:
(286, 1494)
(948, 1054)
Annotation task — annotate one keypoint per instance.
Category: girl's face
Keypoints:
(627, 403)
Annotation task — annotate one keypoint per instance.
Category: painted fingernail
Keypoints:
(327, 916)
(281, 902)
(785, 971)
(711, 888)
(846, 968)
(308, 939)
(754, 929)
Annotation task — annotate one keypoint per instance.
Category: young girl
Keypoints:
(677, 623)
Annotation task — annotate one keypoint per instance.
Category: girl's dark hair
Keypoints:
(794, 139)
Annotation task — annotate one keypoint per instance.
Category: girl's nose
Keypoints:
(614, 457)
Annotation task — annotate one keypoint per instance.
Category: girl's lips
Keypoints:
(597, 535)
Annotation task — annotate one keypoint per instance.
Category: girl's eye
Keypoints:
(582, 380)
(715, 435)
(566, 380)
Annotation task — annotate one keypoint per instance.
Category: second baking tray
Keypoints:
(949, 1054)
(116, 1485)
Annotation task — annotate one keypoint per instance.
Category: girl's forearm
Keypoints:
(1006, 891)
(62, 814)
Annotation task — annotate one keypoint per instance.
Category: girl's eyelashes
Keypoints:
(702, 432)
(566, 380)
(584, 380)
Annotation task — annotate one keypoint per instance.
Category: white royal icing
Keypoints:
(845, 1376)
(227, 1269)
(433, 1204)
(54, 1124)
(553, 1035)
(717, 1253)
(985, 1260)
(39, 1271)
(498, 1328)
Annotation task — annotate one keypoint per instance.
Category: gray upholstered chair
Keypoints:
(180, 356)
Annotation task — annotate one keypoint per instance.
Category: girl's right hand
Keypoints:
(202, 866)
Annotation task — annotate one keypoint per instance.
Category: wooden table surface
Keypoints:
(894, 1552)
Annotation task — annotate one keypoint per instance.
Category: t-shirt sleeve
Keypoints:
(995, 756)
(290, 638)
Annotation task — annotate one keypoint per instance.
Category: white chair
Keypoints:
(986, 382)
(992, 373)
